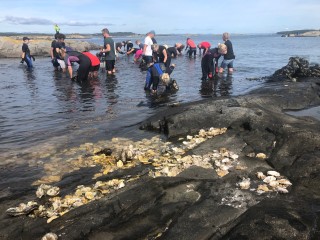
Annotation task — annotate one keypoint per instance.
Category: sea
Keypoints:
(43, 109)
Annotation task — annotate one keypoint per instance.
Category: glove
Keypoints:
(22, 60)
(33, 58)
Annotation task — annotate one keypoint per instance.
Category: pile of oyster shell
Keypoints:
(163, 158)
(271, 182)
(166, 158)
(56, 206)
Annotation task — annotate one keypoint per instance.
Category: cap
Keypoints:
(105, 30)
(25, 38)
(152, 32)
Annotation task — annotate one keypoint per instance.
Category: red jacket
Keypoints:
(205, 45)
(94, 59)
(191, 43)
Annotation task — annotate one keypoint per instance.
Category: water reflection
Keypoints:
(225, 87)
(111, 96)
(31, 82)
(220, 85)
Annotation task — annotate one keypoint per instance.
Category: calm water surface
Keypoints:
(44, 108)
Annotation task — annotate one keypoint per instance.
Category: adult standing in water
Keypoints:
(109, 50)
(26, 56)
(58, 46)
(192, 47)
(229, 57)
(147, 51)
(53, 52)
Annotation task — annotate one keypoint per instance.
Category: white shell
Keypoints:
(260, 175)
(54, 191)
(273, 173)
(261, 155)
(50, 236)
(285, 182)
(282, 190)
(245, 183)
(269, 179)
(274, 184)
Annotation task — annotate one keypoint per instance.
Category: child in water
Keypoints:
(26, 56)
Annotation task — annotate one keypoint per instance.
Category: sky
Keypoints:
(163, 16)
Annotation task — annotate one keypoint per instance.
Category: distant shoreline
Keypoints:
(300, 33)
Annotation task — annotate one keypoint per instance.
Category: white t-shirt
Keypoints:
(148, 42)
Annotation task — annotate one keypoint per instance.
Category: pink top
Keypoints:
(138, 54)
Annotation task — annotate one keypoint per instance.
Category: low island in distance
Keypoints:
(300, 33)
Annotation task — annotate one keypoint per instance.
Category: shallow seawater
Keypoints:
(310, 112)
(43, 110)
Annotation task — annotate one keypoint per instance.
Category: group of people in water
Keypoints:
(155, 59)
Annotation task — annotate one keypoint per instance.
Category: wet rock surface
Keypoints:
(296, 68)
(203, 202)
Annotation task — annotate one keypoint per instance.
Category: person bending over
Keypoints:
(95, 64)
(209, 62)
(119, 45)
(192, 47)
(129, 45)
(157, 72)
(83, 61)
(161, 54)
(205, 46)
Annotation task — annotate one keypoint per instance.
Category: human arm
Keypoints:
(70, 71)
(144, 49)
(164, 51)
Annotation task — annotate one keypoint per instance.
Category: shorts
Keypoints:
(94, 68)
(62, 63)
(110, 64)
(227, 63)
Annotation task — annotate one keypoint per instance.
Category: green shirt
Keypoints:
(111, 55)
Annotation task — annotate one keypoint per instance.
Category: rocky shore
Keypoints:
(10, 46)
(233, 145)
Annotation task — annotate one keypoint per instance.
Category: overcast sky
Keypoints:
(164, 16)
